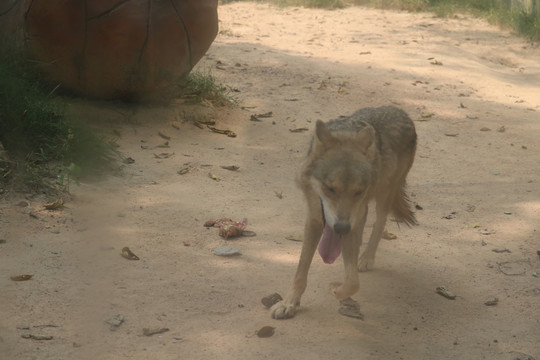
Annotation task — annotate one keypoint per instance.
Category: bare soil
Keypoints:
(473, 91)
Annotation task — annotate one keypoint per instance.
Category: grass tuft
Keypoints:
(201, 87)
(36, 134)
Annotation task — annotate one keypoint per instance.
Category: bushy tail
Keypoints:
(401, 207)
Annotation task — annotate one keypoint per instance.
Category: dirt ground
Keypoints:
(473, 91)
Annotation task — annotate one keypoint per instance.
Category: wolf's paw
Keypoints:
(283, 310)
(343, 291)
(365, 264)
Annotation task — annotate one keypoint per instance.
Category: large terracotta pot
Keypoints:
(113, 48)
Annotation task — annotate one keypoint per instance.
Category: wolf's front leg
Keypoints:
(287, 308)
(351, 244)
(367, 259)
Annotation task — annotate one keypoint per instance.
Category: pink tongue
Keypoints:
(330, 245)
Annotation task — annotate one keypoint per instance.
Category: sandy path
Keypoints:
(464, 79)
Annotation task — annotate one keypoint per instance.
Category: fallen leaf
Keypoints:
(442, 290)
(36, 337)
(388, 235)
(166, 137)
(21, 277)
(450, 216)
(230, 167)
(154, 331)
(492, 302)
(271, 300)
(258, 117)
(351, 308)
(57, 205)
(128, 254)
(298, 129)
(184, 170)
(265, 331)
(163, 155)
(294, 238)
(227, 132)
(213, 177)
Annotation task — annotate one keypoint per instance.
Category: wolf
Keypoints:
(351, 161)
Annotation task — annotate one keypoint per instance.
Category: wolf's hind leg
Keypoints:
(287, 308)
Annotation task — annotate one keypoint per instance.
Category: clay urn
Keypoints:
(121, 49)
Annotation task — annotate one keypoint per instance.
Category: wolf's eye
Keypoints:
(330, 189)
(358, 193)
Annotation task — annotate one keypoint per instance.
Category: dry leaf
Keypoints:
(163, 155)
(36, 337)
(166, 137)
(294, 238)
(265, 331)
(442, 290)
(298, 129)
(230, 167)
(154, 331)
(227, 132)
(492, 302)
(271, 300)
(128, 254)
(21, 277)
(388, 235)
(57, 205)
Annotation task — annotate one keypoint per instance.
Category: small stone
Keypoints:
(115, 321)
(227, 252)
(492, 302)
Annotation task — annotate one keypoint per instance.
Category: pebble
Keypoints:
(227, 252)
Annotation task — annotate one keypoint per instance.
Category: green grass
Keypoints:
(35, 131)
(200, 87)
(525, 23)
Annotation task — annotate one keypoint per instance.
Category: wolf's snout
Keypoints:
(342, 228)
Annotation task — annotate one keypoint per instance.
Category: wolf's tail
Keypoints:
(401, 207)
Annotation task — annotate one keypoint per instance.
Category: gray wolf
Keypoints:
(351, 161)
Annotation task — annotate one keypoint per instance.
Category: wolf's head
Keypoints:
(341, 173)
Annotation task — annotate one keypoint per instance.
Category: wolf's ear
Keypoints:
(323, 134)
(366, 139)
